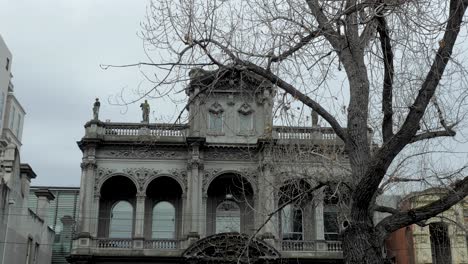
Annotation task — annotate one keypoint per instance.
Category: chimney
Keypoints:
(44, 196)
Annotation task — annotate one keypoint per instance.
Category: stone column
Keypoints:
(140, 216)
(88, 169)
(195, 192)
(139, 221)
(319, 228)
(265, 202)
(95, 215)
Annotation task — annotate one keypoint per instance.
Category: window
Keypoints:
(330, 215)
(7, 66)
(2, 103)
(216, 122)
(17, 128)
(291, 223)
(245, 123)
(228, 217)
(121, 220)
(440, 243)
(163, 221)
(12, 118)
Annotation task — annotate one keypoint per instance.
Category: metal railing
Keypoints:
(161, 244)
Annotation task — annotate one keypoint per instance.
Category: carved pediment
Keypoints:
(230, 248)
(245, 109)
(216, 108)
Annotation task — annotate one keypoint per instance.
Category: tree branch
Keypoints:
(433, 134)
(382, 159)
(304, 41)
(387, 92)
(385, 209)
(402, 219)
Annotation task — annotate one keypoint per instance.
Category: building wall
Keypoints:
(5, 77)
(61, 218)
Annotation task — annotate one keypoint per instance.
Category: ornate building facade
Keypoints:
(226, 186)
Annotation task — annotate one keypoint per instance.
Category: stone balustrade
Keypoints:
(164, 244)
(114, 243)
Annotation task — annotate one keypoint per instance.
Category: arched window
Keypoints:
(227, 217)
(121, 220)
(163, 221)
(440, 243)
(291, 223)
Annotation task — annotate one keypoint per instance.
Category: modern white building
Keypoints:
(24, 235)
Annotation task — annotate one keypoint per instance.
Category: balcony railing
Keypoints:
(333, 246)
(114, 243)
(290, 132)
(132, 129)
(166, 244)
(287, 245)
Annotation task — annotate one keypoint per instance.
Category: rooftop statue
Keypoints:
(96, 106)
(145, 108)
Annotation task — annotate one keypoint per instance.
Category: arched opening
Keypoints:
(116, 208)
(164, 202)
(121, 220)
(440, 243)
(294, 199)
(163, 224)
(230, 205)
(228, 217)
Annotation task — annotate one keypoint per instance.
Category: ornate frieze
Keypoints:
(143, 154)
(229, 154)
(141, 175)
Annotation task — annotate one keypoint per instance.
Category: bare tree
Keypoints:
(401, 75)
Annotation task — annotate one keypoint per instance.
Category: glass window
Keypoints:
(7, 66)
(121, 220)
(227, 217)
(440, 243)
(163, 221)
(245, 123)
(216, 122)
(12, 118)
(331, 228)
(18, 125)
(291, 222)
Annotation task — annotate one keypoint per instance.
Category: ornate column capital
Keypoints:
(195, 163)
(88, 164)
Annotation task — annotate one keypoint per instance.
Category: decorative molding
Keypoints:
(245, 109)
(88, 164)
(208, 175)
(195, 163)
(216, 108)
(144, 154)
(180, 174)
(229, 154)
(141, 175)
(101, 173)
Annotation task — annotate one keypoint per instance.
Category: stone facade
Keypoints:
(440, 239)
(24, 236)
(225, 179)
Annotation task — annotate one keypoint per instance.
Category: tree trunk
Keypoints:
(360, 245)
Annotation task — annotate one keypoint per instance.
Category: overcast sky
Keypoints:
(57, 46)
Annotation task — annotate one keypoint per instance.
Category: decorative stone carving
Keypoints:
(231, 248)
(141, 175)
(144, 154)
(216, 108)
(180, 174)
(207, 175)
(100, 174)
(245, 109)
(230, 154)
(249, 173)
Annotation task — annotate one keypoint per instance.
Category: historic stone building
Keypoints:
(226, 186)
